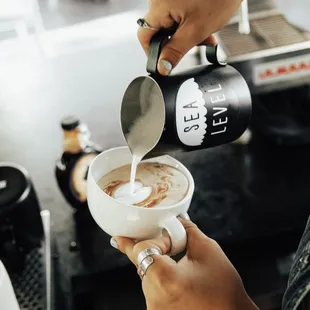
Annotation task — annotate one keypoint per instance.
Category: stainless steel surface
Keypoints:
(260, 5)
(266, 33)
(257, 7)
(143, 115)
(46, 218)
(28, 286)
(33, 287)
(244, 23)
(274, 56)
(277, 51)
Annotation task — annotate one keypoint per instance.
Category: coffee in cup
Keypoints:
(155, 185)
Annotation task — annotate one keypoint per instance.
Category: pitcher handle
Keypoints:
(158, 40)
(161, 37)
(212, 55)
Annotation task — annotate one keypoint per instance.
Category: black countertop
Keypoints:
(254, 200)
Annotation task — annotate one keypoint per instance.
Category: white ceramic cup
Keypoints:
(8, 299)
(120, 219)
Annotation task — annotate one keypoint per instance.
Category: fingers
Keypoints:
(209, 41)
(125, 245)
(163, 265)
(132, 249)
(189, 34)
(181, 42)
(155, 21)
(199, 246)
(192, 231)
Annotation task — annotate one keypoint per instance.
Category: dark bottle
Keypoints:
(72, 168)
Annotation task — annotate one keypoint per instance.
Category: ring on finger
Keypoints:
(147, 252)
(144, 24)
(145, 265)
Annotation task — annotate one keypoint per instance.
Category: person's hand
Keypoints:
(197, 19)
(204, 279)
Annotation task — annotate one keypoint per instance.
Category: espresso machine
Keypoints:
(274, 58)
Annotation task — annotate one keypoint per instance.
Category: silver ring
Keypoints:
(145, 265)
(142, 23)
(146, 253)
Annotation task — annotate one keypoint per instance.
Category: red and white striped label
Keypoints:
(281, 70)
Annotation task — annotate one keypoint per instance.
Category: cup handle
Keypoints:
(177, 235)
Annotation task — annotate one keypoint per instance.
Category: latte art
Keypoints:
(155, 185)
(121, 192)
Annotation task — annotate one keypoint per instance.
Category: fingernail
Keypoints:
(166, 65)
(184, 216)
(114, 243)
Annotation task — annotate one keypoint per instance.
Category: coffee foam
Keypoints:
(156, 185)
(140, 193)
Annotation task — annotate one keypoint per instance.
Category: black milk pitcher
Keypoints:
(203, 107)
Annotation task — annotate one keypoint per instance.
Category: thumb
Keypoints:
(197, 242)
(181, 42)
(192, 230)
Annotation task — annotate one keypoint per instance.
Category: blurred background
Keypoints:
(75, 58)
